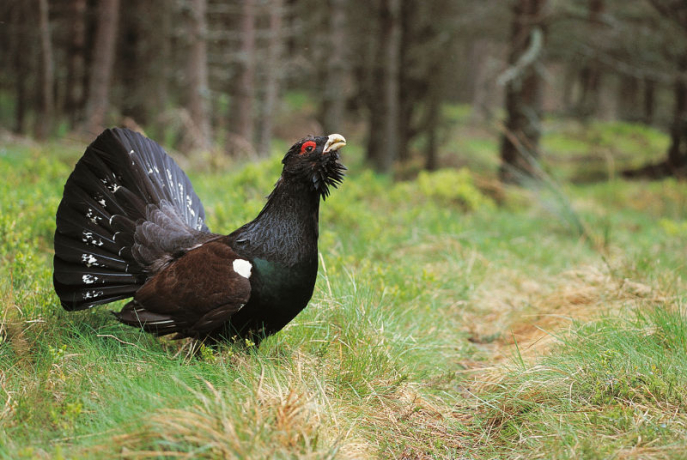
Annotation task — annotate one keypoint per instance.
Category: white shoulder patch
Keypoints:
(242, 267)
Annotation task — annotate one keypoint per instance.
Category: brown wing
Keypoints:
(196, 294)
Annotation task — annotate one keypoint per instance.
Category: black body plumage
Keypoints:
(131, 225)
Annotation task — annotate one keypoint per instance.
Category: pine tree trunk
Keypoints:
(520, 141)
(414, 88)
(569, 79)
(76, 63)
(392, 93)
(44, 120)
(676, 163)
(649, 101)
(139, 58)
(272, 77)
(162, 72)
(383, 134)
(479, 79)
(198, 92)
(241, 121)
(432, 153)
(22, 69)
(629, 104)
(334, 94)
(590, 75)
(677, 153)
(100, 74)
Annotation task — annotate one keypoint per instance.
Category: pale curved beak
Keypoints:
(334, 143)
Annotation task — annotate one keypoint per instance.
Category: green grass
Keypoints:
(443, 325)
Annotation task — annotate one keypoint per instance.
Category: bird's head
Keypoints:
(315, 161)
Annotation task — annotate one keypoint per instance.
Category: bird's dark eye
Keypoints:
(308, 147)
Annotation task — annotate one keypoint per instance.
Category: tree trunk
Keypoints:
(569, 80)
(273, 76)
(432, 154)
(383, 135)
(241, 122)
(76, 63)
(479, 79)
(334, 94)
(590, 75)
(590, 83)
(101, 66)
(629, 105)
(163, 69)
(677, 153)
(649, 101)
(520, 141)
(20, 50)
(139, 57)
(198, 134)
(413, 82)
(44, 121)
(676, 163)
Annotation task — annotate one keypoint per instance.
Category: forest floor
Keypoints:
(452, 318)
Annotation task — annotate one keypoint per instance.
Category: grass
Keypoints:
(443, 325)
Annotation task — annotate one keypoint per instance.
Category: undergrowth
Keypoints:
(446, 323)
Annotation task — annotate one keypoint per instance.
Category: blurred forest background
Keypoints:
(215, 74)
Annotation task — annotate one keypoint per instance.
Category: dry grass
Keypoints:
(527, 312)
(273, 416)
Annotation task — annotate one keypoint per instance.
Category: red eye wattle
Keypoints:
(308, 147)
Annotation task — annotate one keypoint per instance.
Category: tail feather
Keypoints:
(74, 252)
(71, 274)
(71, 226)
(127, 210)
(134, 315)
(81, 298)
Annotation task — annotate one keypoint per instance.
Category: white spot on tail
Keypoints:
(89, 279)
(111, 184)
(91, 294)
(89, 260)
(92, 216)
(242, 267)
(89, 239)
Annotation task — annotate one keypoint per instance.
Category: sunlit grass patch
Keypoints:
(609, 385)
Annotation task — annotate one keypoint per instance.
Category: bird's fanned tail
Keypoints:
(125, 207)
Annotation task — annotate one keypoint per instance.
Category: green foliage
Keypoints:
(457, 113)
(598, 151)
(674, 228)
(453, 187)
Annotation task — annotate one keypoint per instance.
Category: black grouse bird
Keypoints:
(130, 225)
